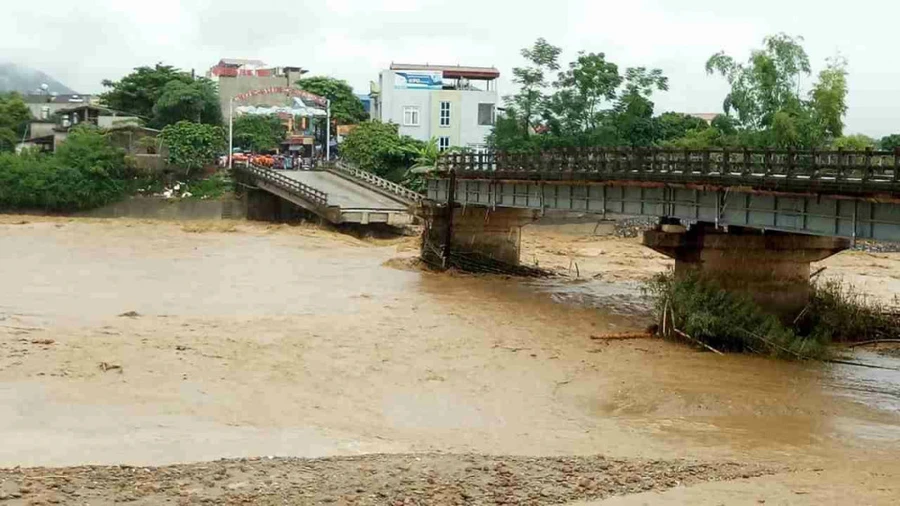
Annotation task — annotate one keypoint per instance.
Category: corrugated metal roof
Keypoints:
(450, 70)
(57, 99)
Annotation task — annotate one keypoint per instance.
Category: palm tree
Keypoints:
(426, 160)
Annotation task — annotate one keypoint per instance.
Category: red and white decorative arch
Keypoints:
(283, 90)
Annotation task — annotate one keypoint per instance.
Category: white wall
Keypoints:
(469, 134)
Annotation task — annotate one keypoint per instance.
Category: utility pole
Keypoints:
(327, 130)
(230, 131)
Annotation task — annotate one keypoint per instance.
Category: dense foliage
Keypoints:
(591, 103)
(346, 108)
(193, 146)
(258, 133)
(594, 103)
(377, 147)
(14, 117)
(163, 95)
(697, 310)
(86, 171)
(196, 101)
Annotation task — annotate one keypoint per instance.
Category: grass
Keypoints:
(698, 311)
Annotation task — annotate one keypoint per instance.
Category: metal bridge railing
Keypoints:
(847, 170)
(384, 184)
(285, 183)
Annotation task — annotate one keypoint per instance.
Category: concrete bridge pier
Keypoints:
(772, 267)
(493, 233)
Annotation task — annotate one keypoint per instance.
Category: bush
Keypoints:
(696, 310)
(841, 313)
(378, 147)
(85, 172)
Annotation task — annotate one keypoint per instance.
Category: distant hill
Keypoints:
(25, 80)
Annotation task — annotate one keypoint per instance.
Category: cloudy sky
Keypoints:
(82, 42)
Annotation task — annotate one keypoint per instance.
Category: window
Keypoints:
(486, 114)
(443, 143)
(410, 116)
(445, 114)
(45, 112)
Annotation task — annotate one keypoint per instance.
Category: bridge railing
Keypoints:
(868, 168)
(389, 186)
(285, 183)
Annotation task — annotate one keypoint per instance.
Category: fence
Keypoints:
(868, 169)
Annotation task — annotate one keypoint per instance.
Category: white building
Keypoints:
(457, 105)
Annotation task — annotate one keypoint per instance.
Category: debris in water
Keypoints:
(130, 314)
(43, 341)
(106, 366)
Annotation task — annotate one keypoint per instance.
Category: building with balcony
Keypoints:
(454, 104)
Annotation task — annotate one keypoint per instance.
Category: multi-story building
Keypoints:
(456, 105)
(235, 76)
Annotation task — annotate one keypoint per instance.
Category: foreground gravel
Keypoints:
(370, 479)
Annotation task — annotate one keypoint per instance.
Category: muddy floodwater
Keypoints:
(244, 340)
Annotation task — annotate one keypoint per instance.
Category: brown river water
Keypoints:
(255, 340)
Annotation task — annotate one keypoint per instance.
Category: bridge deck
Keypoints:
(345, 194)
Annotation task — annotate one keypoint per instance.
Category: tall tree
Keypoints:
(634, 109)
(258, 133)
(192, 145)
(346, 107)
(765, 95)
(196, 101)
(829, 97)
(14, 117)
(137, 92)
(532, 81)
(582, 90)
(768, 83)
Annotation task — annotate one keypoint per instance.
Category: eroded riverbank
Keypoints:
(254, 340)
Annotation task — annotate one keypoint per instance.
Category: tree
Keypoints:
(193, 145)
(196, 101)
(14, 117)
(674, 125)
(258, 133)
(530, 99)
(634, 110)
(768, 83)
(582, 90)
(765, 95)
(828, 97)
(889, 142)
(377, 147)
(137, 92)
(346, 107)
(856, 142)
(86, 171)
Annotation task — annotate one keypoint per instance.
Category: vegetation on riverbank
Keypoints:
(698, 311)
(85, 172)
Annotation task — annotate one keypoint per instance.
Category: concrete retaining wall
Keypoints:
(171, 209)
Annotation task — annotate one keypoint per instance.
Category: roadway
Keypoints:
(344, 193)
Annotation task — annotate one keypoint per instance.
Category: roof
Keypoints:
(451, 71)
(78, 107)
(56, 99)
(240, 62)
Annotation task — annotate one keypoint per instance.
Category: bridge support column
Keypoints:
(772, 267)
(493, 233)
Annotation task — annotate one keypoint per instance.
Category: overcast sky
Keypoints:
(82, 42)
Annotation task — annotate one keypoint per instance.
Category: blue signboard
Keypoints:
(419, 80)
